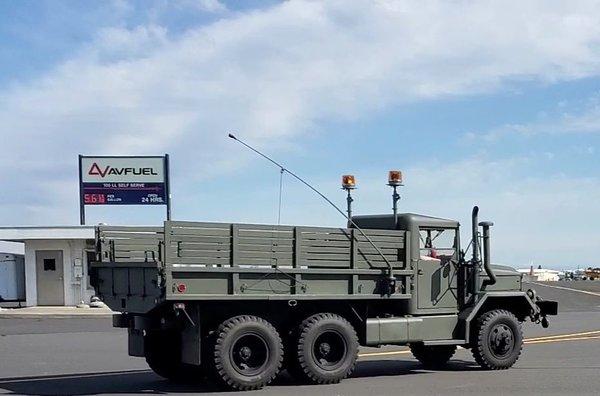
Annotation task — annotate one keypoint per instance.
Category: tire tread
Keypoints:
(222, 331)
(479, 353)
(433, 356)
(301, 367)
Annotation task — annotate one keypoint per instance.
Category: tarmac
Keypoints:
(84, 355)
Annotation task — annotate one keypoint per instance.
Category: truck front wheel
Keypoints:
(326, 349)
(498, 340)
(434, 356)
(248, 353)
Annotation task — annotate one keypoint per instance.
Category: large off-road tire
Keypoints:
(248, 353)
(498, 340)
(290, 358)
(326, 349)
(432, 356)
(163, 355)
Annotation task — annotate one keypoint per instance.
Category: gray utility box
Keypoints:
(12, 277)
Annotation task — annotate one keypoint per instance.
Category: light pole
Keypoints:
(349, 184)
(395, 181)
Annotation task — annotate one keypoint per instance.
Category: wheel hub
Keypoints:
(245, 353)
(501, 340)
(329, 350)
(324, 349)
(249, 354)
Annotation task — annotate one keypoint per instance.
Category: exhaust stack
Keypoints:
(487, 264)
(476, 261)
(475, 286)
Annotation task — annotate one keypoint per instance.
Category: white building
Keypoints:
(56, 263)
(541, 274)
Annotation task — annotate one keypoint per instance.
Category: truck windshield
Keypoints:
(437, 243)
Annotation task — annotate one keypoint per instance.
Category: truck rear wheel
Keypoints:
(326, 349)
(248, 353)
(434, 356)
(498, 340)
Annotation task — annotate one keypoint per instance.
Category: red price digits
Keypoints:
(94, 199)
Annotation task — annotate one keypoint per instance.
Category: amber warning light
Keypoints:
(348, 182)
(395, 178)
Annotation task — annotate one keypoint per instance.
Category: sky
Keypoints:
(491, 103)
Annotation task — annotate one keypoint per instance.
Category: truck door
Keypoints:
(436, 281)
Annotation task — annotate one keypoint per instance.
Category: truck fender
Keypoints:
(517, 302)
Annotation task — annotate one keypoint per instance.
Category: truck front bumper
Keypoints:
(547, 307)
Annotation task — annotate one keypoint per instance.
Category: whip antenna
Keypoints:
(280, 196)
(350, 221)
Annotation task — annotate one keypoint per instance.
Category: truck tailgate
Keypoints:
(126, 274)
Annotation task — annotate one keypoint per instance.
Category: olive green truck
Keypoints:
(238, 303)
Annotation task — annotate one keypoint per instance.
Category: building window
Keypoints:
(49, 265)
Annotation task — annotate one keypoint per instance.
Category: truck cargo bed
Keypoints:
(212, 261)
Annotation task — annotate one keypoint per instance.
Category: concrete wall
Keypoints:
(75, 289)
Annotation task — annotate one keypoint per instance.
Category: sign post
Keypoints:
(107, 180)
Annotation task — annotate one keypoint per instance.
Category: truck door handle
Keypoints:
(420, 272)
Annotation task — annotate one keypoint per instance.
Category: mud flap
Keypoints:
(135, 343)
(190, 345)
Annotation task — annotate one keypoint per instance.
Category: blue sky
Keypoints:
(496, 104)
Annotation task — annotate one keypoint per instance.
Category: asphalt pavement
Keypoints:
(86, 356)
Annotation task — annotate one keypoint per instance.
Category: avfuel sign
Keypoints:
(124, 181)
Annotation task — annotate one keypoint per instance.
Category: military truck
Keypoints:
(241, 302)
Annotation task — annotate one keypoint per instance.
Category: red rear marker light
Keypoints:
(181, 288)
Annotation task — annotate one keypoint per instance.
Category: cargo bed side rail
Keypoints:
(213, 260)
(129, 244)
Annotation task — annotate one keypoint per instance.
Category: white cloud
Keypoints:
(209, 5)
(585, 120)
(539, 218)
(544, 219)
(271, 75)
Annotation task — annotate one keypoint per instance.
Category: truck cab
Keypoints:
(442, 285)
